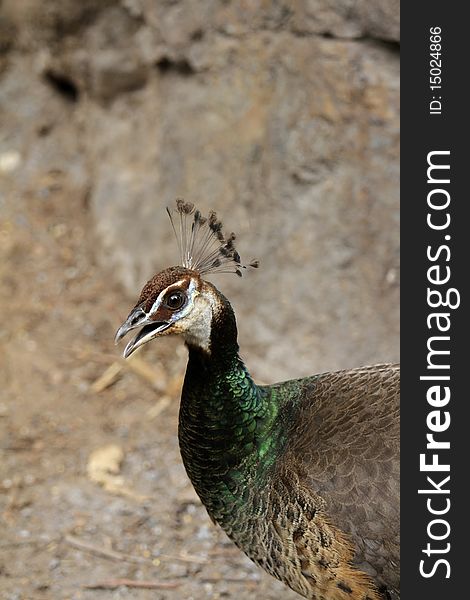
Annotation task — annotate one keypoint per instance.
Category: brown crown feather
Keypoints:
(202, 244)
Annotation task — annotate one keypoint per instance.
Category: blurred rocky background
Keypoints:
(283, 117)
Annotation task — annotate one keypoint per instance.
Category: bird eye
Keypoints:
(175, 300)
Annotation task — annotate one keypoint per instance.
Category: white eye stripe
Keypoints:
(175, 286)
(161, 295)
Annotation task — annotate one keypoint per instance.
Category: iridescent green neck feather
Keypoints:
(227, 430)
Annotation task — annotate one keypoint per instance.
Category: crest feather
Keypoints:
(201, 242)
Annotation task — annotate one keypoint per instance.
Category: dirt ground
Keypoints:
(71, 411)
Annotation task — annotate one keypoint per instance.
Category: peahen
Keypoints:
(302, 475)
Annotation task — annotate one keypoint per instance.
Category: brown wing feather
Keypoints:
(345, 443)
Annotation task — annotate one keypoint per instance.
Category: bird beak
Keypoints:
(148, 331)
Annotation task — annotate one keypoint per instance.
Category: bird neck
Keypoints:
(227, 430)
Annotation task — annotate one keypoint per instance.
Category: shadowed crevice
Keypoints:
(181, 66)
(63, 85)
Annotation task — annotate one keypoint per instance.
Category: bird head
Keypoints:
(178, 300)
(175, 301)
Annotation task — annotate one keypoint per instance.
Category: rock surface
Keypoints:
(282, 116)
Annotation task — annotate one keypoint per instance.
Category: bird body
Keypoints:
(302, 475)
